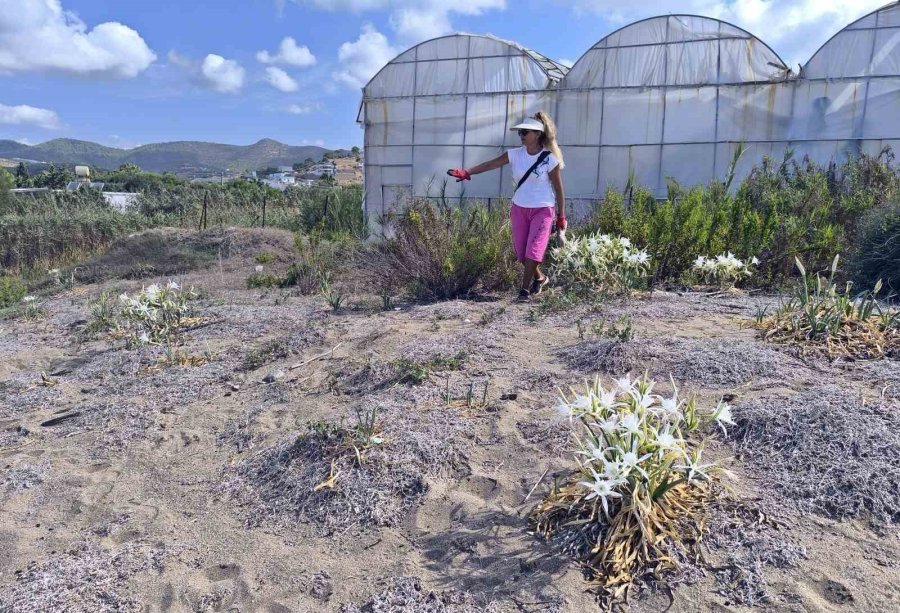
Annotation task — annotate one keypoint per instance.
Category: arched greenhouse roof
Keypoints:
(870, 46)
(676, 50)
(446, 65)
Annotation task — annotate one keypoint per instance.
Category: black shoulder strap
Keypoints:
(541, 158)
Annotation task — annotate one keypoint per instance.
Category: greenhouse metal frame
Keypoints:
(668, 96)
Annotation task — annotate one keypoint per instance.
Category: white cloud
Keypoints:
(302, 109)
(221, 75)
(414, 20)
(288, 53)
(280, 80)
(39, 36)
(795, 30)
(566, 62)
(29, 115)
(361, 59)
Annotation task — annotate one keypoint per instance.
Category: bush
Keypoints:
(12, 291)
(781, 211)
(877, 253)
(437, 252)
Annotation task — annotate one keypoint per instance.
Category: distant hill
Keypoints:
(183, 157)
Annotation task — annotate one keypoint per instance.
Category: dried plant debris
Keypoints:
(239, 432)
(341, 477)
(24, 477)
(748, 540)
(711, 362)
(602, 355)
(827, 449)
(84, 578)
(407, 595)
(545, 434)
(13, 437)
(283, 347)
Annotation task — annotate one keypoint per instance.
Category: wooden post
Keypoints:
(205, 207)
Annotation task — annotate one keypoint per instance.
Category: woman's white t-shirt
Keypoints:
(536, 191)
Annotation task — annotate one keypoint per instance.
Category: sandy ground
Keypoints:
(141, 495)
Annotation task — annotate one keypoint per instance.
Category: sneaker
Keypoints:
(524, 295)
(537, 285)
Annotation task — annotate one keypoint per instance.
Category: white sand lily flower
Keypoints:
(609, 425)
(172, 285)
(29, 299)
(144, 338)
(258, 268)
(666, 442)
(693, 469)
(630, 424)
(630, 461)
(722, 415)
(582, 404)
(607, 398)
(600, 488)
(754, 260)
(152, 291)
(625, 384)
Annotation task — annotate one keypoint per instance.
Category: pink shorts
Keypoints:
(530, 231)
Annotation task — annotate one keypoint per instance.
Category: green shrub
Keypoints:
(781, 210)
(264, 279)
(437, 252)
(877, 252)
(12, 291)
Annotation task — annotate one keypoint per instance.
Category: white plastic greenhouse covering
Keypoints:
(670, 96)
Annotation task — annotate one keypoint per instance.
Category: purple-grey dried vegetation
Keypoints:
(408, 595)
(827, 449)
(82, 579)
(278, 484)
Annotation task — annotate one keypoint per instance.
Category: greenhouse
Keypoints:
(670, 96)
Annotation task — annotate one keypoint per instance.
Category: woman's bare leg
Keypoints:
(530, 268)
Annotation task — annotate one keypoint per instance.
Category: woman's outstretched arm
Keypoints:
(463, 174)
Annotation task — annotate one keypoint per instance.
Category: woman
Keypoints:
(536, 167)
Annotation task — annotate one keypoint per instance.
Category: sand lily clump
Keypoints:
(642, 488)
(156, 314)
(820, 317)
(724, 269)
(600, 261)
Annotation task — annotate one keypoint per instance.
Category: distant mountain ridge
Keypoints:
(178, 156)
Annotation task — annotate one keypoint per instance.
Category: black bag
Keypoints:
(541, 158)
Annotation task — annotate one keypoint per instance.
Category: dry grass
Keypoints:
(635, 546)
(828, 450)
(407, 595)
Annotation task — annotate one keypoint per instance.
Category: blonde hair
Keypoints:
(548, 137)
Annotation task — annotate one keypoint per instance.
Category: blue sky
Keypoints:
(135, 72)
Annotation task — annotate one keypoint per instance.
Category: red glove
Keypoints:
(561, 222)
(461, 174)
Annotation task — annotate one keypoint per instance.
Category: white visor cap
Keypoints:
(528, 124)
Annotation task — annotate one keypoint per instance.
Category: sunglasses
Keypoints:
(524, 132)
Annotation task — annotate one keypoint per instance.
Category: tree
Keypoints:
(23, 179)
(7, 182)
(54, 177)
(326, 180)
(354, 150)
(130, 167)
